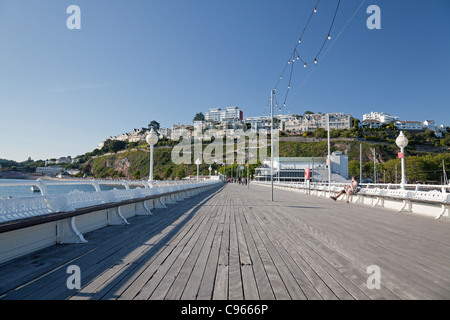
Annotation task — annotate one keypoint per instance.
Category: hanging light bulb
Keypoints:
(298, 57)
(289, 87)
(304, 65)
(315, 61)
(315, 9)
(289, 61)
(281, 77)
(300, 40)
(329, 37)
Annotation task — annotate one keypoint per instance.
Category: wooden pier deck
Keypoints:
(232, 243)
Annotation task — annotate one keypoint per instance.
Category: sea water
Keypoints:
(25, 191)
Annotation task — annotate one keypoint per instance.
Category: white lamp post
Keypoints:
(152, 139)
(198, 162)
(402, 142)
(210, 171)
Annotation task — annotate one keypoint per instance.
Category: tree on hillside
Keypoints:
(113, 146)
(154, 124)
(199, 117)
(320, 133)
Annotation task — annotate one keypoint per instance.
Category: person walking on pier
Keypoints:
(351, 189)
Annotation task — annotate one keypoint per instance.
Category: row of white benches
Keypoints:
(20, 208)
(379, 195)
(48, 220)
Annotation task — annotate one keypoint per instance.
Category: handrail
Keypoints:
(415, 187)
(46, 203)
(10, 225)
(95, 183)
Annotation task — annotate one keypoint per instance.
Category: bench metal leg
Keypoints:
(406, 207)
(67, 232)
(146, 208)
(115, 218)
(441, 214)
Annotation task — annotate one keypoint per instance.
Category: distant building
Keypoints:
(293, 168)
(430, 125)
(371, 123)
(178, 130)
(50, 170)
(409, 125)
(310, 122)
(165, 132)
(263, 122)
(380, 116)
(219, 115)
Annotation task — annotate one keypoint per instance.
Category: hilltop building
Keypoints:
(229, 114)
(380, 116)
(310, 122)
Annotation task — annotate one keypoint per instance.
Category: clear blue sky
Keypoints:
(62, 91)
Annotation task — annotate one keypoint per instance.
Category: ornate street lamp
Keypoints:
(152, 139)
(402, 142)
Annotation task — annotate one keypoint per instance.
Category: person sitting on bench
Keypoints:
(351, 189)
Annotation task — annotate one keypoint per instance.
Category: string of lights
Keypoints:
(328, 49)
(295, 55)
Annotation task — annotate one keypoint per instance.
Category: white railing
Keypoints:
(380, 194)
(26, 207)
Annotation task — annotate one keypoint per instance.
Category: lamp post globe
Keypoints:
(402, 142)
(198, 162)
(152, 139)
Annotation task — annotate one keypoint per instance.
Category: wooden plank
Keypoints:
(100, 286)
(278, 286)
(97, 255)
(220, 291)
(354, 243)
(173, 285)
(133, 285)
(157, 286)
(193, 285)
(264, 289)
(235, 291)
(343, 217)
(206, 290)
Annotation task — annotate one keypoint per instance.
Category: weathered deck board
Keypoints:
(234, 243)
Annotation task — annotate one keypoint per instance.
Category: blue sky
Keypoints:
(62, 91)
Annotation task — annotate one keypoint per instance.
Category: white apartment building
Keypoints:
(430, 124)
(51, 170)
(165, 132)
(371, 123)
(380, 116)
(310, 122)
(409, 125)
(263, 122)
(229, 114)
(179, 129)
